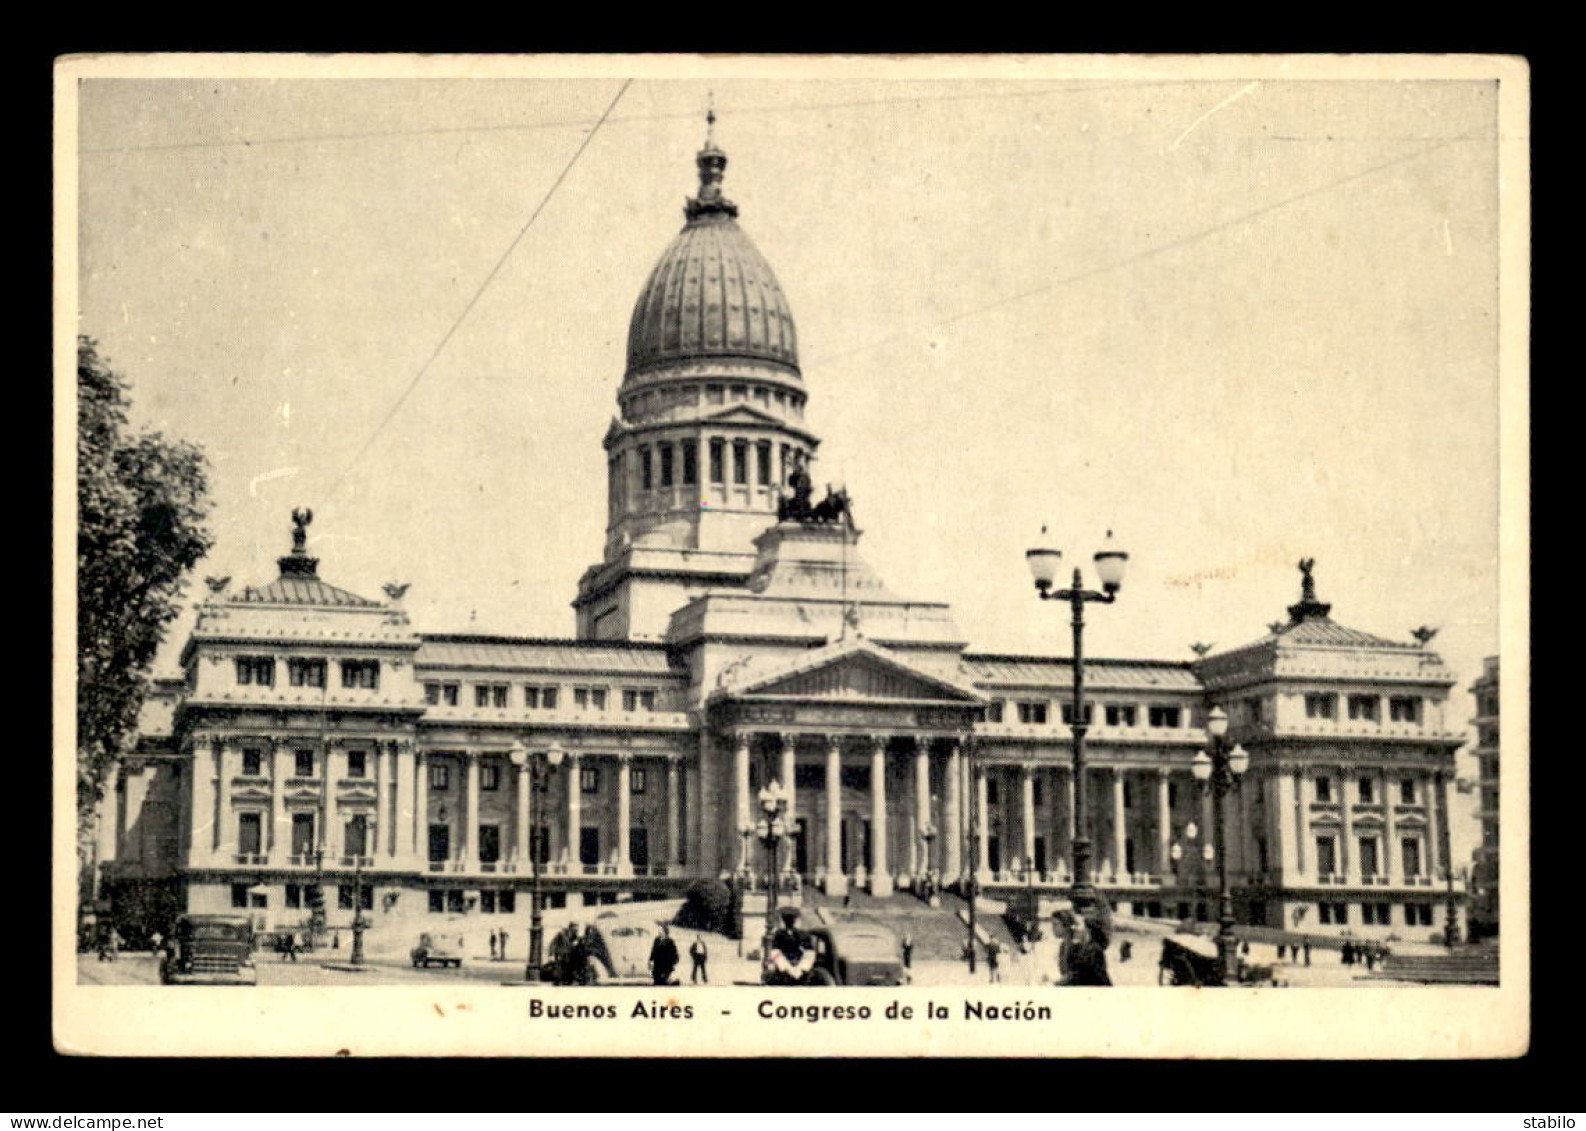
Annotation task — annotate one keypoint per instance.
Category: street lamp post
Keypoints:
(973, 884)
(1222, 769)
(1110, 565)
(540, 763)
(773, 803)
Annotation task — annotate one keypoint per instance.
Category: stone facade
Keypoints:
(318, 746)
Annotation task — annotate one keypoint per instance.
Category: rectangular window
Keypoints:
(506, 904)
(1326, 860)
(454, 900)
(357, 764)
(666, 465)
(361, 673)
(637, 781)
(1163, 716)
(489, 844)
(437, 902)
(740, 461)
(293, 897)
(256, 670)
(239, 895)
(302, 834)
(589, 780)
(762, 394)
(1032, 713)
(252, 762)
(581, 698)
(715, 394)
(1120, 715)
(489, 777)
(1324, 913)
(717, 461)
(305, 673)
(1321, 706)
(481, 695)
(994, 711)
(1324, 790)
(440, 776)
(630, 700)
(498, 695)
(1368, 791)
(1368, 856)
(248, 834)
(763, 462)
(432, 693)
(487, 902)
(1364, 707)
(1404, 709)
(1407, 791)
(690, 463)
(356, 836)
(1411, 848)
(740, 392)
(304, 763)
(1253, 710)
(645, 472)
(548, 698)
(1068, 713)
(531, 697)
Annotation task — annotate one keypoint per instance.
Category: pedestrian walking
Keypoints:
(663, 958)
(1307, 952)
(1282, 950)
(908, 951)
(993, 954)
(495, 946)
(291, 946)
(504, 937)
(698, 952)
(1348, 955)
(1082, 958)
(1125, 950)
(1245, 948)
(1371, 958)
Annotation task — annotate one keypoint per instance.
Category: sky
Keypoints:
(1237, 321)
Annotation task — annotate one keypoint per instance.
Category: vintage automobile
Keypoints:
(847, 954)
(212, 950)
(433, 952)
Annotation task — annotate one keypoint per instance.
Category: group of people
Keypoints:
(664, 958)
(1290, 952)
(1370, 954)
(498, 944)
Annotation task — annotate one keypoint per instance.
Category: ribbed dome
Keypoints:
(712, 294)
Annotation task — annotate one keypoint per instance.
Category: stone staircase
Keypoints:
(1463, 968)
(938, 933)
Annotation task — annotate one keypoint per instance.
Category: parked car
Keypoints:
(849, 954)
(432, 952)
(215, 950)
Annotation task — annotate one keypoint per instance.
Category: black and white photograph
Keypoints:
(726, 543)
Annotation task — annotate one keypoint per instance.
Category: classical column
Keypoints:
(523, 835)
(420, 847)
(328, 837)
(1120, 828)
(1434, 841)
(223, 836)
(468, 842)
(1304, 789)
(1283, 808)
(280, 831)
(624, 814)
(382, 802)
(836, 878)
(575, 816)
(982, 827)
(740, 794)
(399, 754)
(880, 871)
(1027, 789)
(790, 788)
(1164, 825)
(1347, 865)
(674, 815)
(952, 817)
(1392, 864)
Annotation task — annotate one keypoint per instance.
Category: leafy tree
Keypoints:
(141, 508)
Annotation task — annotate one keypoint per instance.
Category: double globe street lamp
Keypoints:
(1110, 566)
(771, 829)
(540, 764)
(1222, 769)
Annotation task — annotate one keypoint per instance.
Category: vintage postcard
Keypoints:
(726, 556)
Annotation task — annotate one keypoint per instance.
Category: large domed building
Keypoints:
(320, 754)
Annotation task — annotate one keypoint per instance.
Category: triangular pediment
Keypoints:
(854, 670)
(743, 414)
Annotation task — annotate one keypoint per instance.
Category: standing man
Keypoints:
(993, 953)
(698, 952)
(663, 958)
(908, 951)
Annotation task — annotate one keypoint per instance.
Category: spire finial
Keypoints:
(712, 163)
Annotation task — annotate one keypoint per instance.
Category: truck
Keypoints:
(210, 950)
